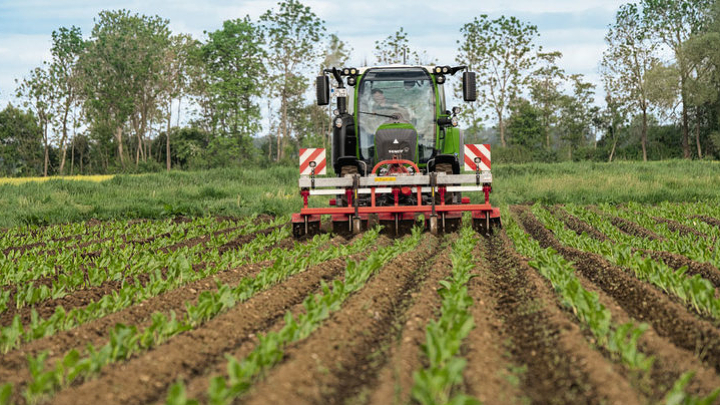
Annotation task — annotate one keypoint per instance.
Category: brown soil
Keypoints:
(198, 385)
(96, 332)
(576, 224)
(145, 378)
(561, 367)
(640, 300)
(629, 227)
(197, 240)
(676, 226)
(526, 347)
(84, 296)
(490, 374)
(244, 239)
(337, 360)
(705, 270)
(710, 220)
(670, 360)
(395, 379)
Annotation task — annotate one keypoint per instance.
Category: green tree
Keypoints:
(613, 117)
(152, 42)
(21, 148)
(39, 96)
(545, 91)
(294, 34)
(628, 58)
(673, 22)
(121, 74)
(234, 66)
(177, 77)
(525, 125)
(66, 49)
(396, 49)
(576, 114)
(501, 51)
(700, 52)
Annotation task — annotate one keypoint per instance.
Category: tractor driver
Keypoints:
(382, 106)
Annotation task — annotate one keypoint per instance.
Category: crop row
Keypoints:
(620, 340)
(700, 249)
(444, 373)
(52, 239)
(166, 272)
(696, 291)
(317, 307)
(70, 266)
(126, 340)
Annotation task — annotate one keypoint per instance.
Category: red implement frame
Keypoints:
(397, 208)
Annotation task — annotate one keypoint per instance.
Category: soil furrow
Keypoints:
(561, 367)
(83, 296)
(709, 220)
(344, 354)
(576, 224)
(145, 378)
(640, 300)
(676, 226)
(671, 361)
(676, 261)
(395, 379)
(629, 227)
(198, 385)
(490, 374)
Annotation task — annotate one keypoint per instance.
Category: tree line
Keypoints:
(113, 101)
(660, 75)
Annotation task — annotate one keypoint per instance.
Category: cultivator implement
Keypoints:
(396, 193)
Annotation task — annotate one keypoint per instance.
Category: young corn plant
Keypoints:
(444, 336)
(678, 396)
(695, 291)
(126, 340)
(179, 271)
(621, 340)
(318, 307)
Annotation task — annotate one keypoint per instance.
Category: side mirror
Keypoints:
(469, 88)
(322, 88)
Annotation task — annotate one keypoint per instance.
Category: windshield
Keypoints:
(403, 94)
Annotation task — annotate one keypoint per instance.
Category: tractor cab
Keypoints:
(395, 104)
(393, 111)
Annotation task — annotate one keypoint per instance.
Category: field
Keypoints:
(579, 302)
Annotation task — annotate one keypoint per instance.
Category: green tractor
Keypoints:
(397, 153)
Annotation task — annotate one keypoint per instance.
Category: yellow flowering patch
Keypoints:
(20, 180)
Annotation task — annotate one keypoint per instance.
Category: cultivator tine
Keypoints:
(433, 225)
(356, 225)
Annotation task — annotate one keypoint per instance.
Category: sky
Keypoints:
(574, 27)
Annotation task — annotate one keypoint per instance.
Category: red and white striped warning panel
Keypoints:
(312, 157)
(473, 152)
